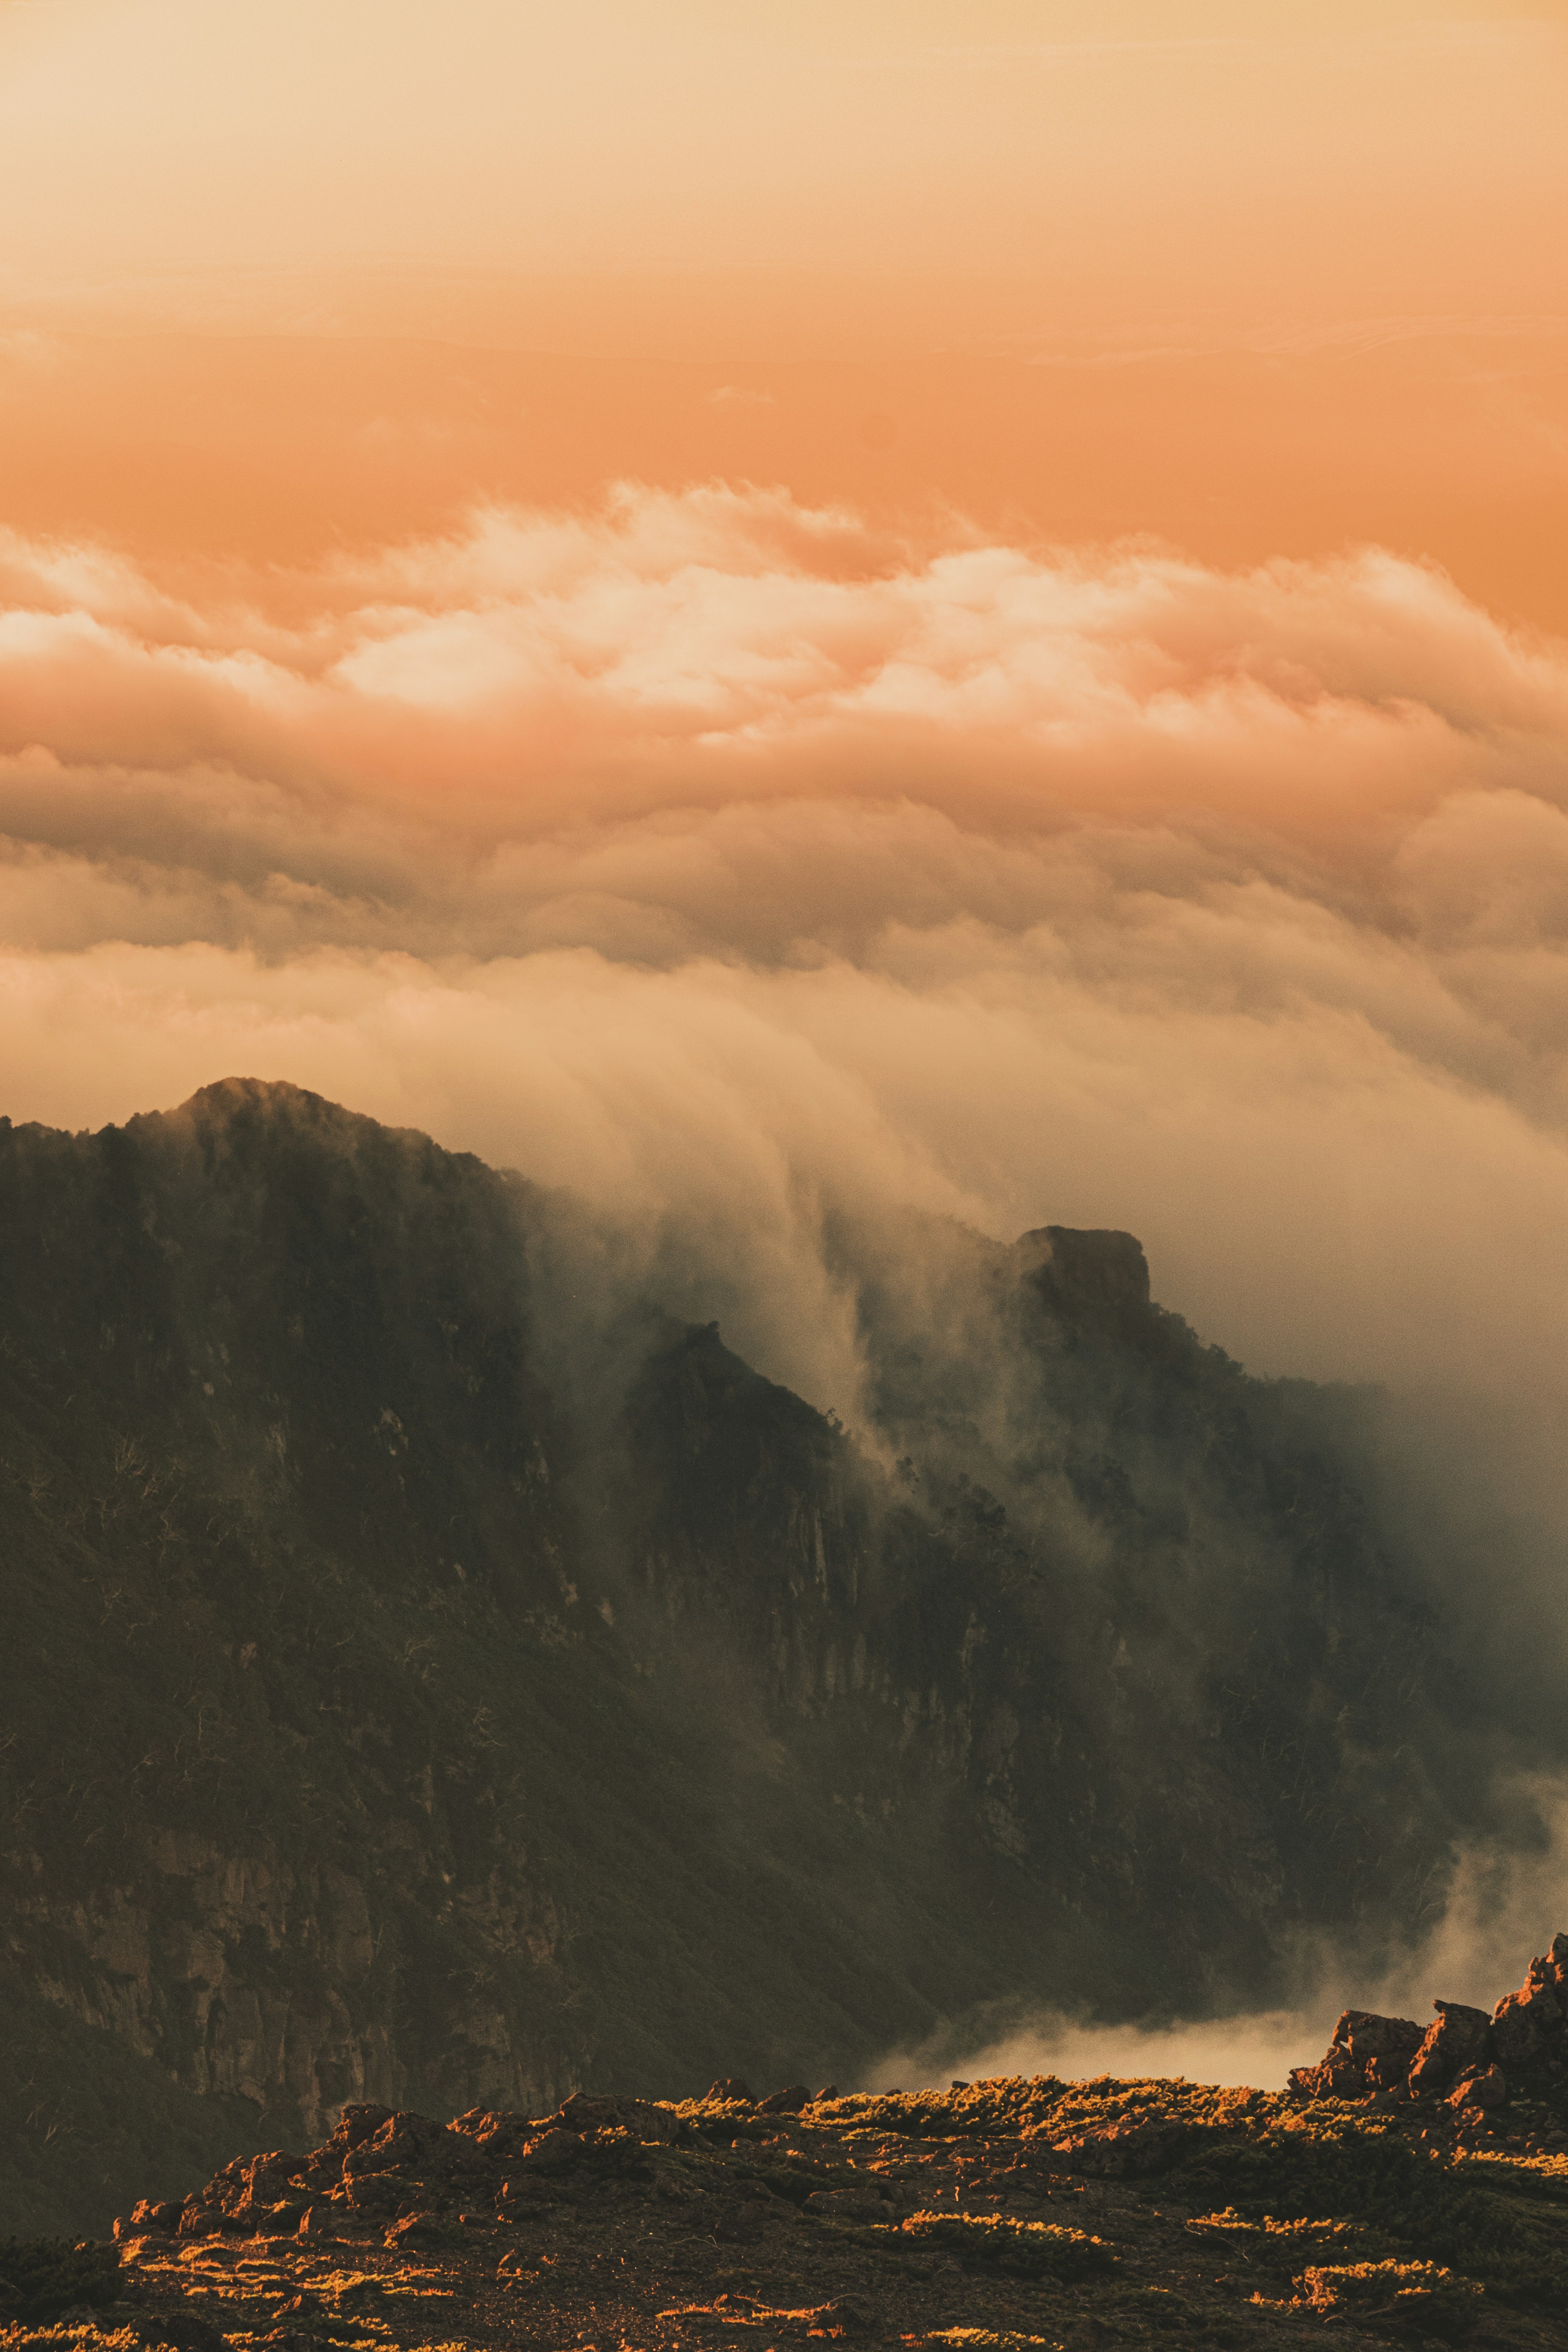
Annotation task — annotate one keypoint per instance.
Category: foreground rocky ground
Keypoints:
(1412, 2188)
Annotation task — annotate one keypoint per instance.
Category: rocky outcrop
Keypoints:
(1368, 2053)
(1529, 2024)
(990, 2214)
(1466, 2059)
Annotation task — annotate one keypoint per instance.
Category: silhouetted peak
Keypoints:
(277, 1094)
(231, 1099)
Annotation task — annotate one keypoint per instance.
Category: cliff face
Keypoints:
(391, 1719)
(264, 1384)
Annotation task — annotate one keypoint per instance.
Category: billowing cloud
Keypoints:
(724, 859)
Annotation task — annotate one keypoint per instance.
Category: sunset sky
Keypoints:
(748, 606)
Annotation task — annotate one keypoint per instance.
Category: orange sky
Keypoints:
(1254, 279)
(1064, 715)
(1159, 154)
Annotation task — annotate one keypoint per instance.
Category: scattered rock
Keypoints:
(551, 2151)
(729, 2088)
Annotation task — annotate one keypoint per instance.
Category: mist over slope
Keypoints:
(441, 1675)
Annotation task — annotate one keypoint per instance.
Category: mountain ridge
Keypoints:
(396, 1717)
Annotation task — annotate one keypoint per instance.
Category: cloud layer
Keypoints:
(723, 859)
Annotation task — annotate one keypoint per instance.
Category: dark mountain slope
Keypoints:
(389, 1717)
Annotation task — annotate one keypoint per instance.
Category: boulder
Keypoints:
(498, 2134)
(1526, 2024)
(151, 2215)
(1529, 2023)
(357, 2121)
(551, 2151)
(1458, 2043)
(1486, 2088)
(1368, 2036)
(1367, 2052)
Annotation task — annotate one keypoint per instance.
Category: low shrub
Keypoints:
(1024, 2249)
(42, 2277)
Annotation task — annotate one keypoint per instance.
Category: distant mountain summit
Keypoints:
(414, 1696)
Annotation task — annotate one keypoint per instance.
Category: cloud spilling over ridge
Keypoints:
(722, 858)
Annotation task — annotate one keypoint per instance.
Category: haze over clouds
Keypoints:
(724, 859)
